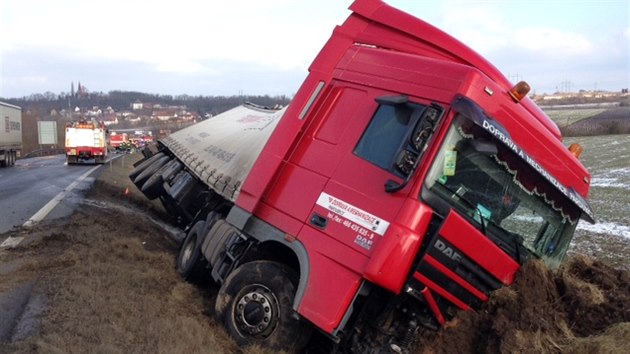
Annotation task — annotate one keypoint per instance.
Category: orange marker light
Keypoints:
(519, 91)
(576, 150)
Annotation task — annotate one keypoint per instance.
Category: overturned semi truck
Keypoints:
(407, 179)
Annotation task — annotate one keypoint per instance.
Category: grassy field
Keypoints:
(608, 159)
(591, 121)
(564, 117)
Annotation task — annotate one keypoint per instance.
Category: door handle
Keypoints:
(319, 221)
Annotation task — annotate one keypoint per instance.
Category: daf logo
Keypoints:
(448, 251)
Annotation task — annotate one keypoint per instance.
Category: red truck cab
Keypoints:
(407, 178)
(404, 140)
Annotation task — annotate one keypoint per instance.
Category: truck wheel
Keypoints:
(152, 188)
(190, 262)
(144, 164)
(255, 305)
(151, 169)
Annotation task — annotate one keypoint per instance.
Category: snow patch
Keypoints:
(608, 228)
(608, 182)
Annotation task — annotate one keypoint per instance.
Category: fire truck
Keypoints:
(407, 180)
(118, 140)
(86, 141)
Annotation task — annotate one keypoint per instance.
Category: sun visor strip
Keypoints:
(473, 112)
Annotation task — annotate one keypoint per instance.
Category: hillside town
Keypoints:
(138, 114)
(130, 117)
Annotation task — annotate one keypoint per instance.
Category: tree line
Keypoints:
(122, 100)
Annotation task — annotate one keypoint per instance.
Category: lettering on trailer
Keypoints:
(219, 153)
(10, 125)
(255, 122)
(364, 224)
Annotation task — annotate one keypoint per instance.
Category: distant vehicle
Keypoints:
(10, 134)
(408, 178)
(116, 140)
(86, 141)
(140, 139)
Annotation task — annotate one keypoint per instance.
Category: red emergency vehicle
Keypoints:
(86, 140)
(408, 178)
(118, 140)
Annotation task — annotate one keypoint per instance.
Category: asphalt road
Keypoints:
(33, 183)
(33, 190)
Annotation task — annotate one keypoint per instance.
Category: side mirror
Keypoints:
(420, 137)
(406, 161)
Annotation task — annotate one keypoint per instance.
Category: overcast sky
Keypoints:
(265, 46)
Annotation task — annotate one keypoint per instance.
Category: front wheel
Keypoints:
(255, 305)
(190, 262)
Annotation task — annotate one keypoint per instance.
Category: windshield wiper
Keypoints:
(459, 196)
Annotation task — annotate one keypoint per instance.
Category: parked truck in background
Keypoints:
(407, 179)
(10, 134)
(86, 141)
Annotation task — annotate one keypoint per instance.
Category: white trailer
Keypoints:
(10, 133)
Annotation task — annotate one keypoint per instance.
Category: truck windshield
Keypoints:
(477, 175)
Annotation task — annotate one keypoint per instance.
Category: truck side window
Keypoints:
(384, 136)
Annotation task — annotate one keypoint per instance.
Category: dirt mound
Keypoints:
(583, 307)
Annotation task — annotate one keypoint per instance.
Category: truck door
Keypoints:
(360, 146)
(354, 143)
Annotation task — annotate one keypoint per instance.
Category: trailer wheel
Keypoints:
(144, 164)
(152, 188)
(255, 305)
(190, 262)
(150, 170)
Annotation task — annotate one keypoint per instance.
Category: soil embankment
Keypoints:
(583, 307)
(104, 280)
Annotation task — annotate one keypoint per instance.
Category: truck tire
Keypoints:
(150, 170)
(190, 262)
(153, 187)
(255, 304)
(144, 164)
